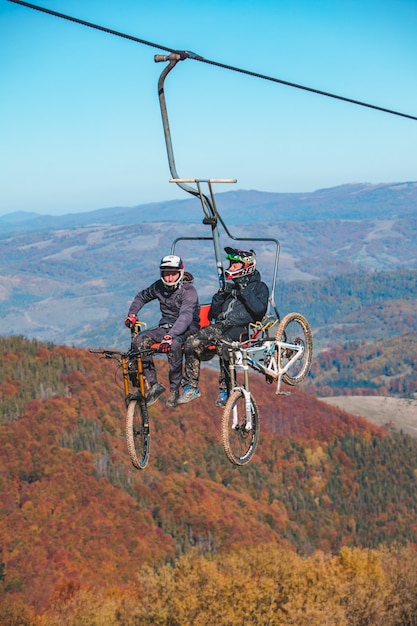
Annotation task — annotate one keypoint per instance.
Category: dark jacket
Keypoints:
(179, 307)
(242, 302)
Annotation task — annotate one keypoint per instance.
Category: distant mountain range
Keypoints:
(70, 279)
(346, 202)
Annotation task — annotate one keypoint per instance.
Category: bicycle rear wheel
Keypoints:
(137, 433)
(294, 329)
(239, 442)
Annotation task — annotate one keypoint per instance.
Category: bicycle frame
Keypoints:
(270, 352)
(273, 350)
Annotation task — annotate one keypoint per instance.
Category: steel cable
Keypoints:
(196, 57)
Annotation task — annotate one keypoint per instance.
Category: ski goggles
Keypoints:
(238, 256)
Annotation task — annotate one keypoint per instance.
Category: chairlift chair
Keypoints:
(212, 216)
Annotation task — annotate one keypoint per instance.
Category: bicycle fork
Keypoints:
(141, 377)
(244, 390)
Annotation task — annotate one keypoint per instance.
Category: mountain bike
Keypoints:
(286, 357)
(134, 384)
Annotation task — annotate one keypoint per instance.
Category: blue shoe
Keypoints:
(188, 394)
(222, 398)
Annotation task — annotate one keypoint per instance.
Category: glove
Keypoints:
(237, 290)
(166, 343)
(225, 291)
(130, 320)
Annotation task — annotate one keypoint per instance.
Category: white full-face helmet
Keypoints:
(172, 263)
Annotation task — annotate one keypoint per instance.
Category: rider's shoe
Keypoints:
(155, 391)
(173, 398)
(222, 398)
(189, 393)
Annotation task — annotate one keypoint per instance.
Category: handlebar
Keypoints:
(235, 345)
(109, 354)
(113, 354)
(240, 345)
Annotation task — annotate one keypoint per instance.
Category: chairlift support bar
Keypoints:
(208, 203)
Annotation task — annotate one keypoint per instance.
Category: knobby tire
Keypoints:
(239, 444)
(295, 329)
(137, 433)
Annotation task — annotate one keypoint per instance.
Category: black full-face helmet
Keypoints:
(172, 263)
(247, 259)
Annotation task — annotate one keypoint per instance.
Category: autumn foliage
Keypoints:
(318, 529)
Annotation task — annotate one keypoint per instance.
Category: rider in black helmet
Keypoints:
(243, 300)
(180, 309)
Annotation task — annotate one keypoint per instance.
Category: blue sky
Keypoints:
(80, 125)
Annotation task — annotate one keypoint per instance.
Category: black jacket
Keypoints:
(179, 307)
(243, 301)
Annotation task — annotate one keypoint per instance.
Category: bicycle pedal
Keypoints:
(283, 393)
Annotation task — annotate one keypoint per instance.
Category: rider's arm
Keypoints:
(255, 300)
(142, 298)
(186, 314)
(218, 300)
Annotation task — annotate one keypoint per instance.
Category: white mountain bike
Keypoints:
(284, 358)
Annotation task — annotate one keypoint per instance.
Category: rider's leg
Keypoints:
(143, 341)
(230, 334)
(194, 348)
(175, 356)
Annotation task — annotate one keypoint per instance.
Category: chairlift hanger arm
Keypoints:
(208, 204)
(173, 59)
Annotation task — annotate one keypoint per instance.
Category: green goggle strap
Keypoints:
(234, 257)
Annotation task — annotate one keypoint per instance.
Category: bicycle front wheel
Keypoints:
(295, 330)
(137, 433)
(240, 431)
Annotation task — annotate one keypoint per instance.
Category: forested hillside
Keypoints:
(365, 307)
(386, 367)
(76, 517)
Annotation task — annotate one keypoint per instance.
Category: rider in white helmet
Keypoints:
(178, 302)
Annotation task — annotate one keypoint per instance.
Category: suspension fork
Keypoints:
(232, 368)
(141, 377)
(245, 389)
(125, 376)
